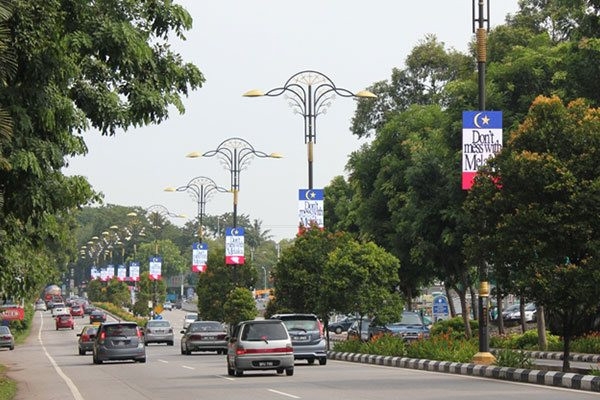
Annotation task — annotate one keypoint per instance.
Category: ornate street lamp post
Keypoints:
(235, 154)
(201, 189)
(310, 93)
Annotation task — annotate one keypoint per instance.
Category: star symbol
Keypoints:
(485, 119)
(313, 195)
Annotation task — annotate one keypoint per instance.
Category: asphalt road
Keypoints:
(48, 367)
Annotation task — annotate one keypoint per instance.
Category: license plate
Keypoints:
(265, 363)
(208, 338)
(300, 338)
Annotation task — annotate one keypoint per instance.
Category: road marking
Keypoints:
(283, 394)
(68, 381)
(163, 361)
(186, 367)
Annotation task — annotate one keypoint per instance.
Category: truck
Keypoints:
(52, 294)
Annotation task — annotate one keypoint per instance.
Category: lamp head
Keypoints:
(193, 154)
(253, 93)
(365, 94)
(170, 189)
(275, 155)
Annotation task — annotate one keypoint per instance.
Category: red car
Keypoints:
(77, 311)
(65, 321)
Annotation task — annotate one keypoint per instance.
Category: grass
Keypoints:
(8, 387)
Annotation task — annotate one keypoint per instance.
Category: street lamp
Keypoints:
(310, 93)
(235, 154)
(201, 189)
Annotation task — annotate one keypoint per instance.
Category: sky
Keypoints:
(241, 45)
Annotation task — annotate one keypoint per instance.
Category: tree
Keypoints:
(239, 306)
(362, 278)
(105, 65)
(536, 203)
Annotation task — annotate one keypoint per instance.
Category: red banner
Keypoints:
(12, 313)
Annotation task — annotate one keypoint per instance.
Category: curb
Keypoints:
(548, 378)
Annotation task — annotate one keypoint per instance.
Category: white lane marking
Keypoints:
(68, 381)
(186, 367)
(283, 394)
(163, 361)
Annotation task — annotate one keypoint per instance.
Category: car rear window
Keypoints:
(261, 332)
(206, 327)
(121, 330)
(158, 324)
(301, 324)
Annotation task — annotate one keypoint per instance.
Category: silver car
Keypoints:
(260, 345)
(6, 338)
(204, 336)
(158, 331)
(308, 340)
(119, 341)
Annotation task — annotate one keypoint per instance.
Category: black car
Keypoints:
(342, 325)
(411, 327)
(97, 317)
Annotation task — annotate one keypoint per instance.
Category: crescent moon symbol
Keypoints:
(475, 118)
(307, 194)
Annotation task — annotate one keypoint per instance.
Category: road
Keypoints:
(48, 367)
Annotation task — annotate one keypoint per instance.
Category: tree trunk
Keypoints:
(465, 313)
(450, 302)
(541, 328)
(500, 320)
(566, 322)
(474, 302)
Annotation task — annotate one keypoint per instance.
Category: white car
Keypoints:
(61, 310)
(189, 318)
(40, 305)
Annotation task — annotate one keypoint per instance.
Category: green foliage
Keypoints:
(239, 306)
(453, 327)
(8, 387)
(444, 347)
(385, 345)
(513, 358)
(120, 313)
(588, 343)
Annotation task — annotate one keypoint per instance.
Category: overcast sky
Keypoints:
(258, 44)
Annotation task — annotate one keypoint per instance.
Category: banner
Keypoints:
(199, 257)
(482, 139)
(121, 273)
(234, 246)
(310, 207)
(134, 271)
(155, 266)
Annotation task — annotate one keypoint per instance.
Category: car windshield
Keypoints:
(191, 316)
(158, 324)
(261, 332)
(206, 327)
(530, 307)
(4, 330)
(121, 330)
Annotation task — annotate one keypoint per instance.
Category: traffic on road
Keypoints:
(50, 365)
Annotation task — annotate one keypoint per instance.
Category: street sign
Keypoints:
(155, 266)
(439, 308)
(310, 207)
(199, 257)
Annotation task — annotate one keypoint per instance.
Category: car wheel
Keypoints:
(322, 361)
(230, 371)
(12, 347)
(81, 352)
(289, 371)
(338, 330)
(170, 343)
(141, 360)
(96, 360)
(182, 351)
(279, 370)
(238, 372)
(311, 361)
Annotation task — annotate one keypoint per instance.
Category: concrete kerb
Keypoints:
(549, 378)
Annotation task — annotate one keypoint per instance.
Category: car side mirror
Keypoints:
(182, 332)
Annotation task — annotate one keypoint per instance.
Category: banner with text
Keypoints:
(310, 207)
(155, 267)
(199, 257)
(482, 139)
(234, 246)
(134, 271)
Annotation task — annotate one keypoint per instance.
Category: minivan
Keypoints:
(259, 345)
(119, 341)
(306, 331)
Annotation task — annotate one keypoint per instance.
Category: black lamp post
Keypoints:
(310, 93)
(481, 25)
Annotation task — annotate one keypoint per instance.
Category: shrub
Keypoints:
(454, 327)
(443, 347)
(513, 359)
(525, 341)
(588, 343)
(385, 345)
